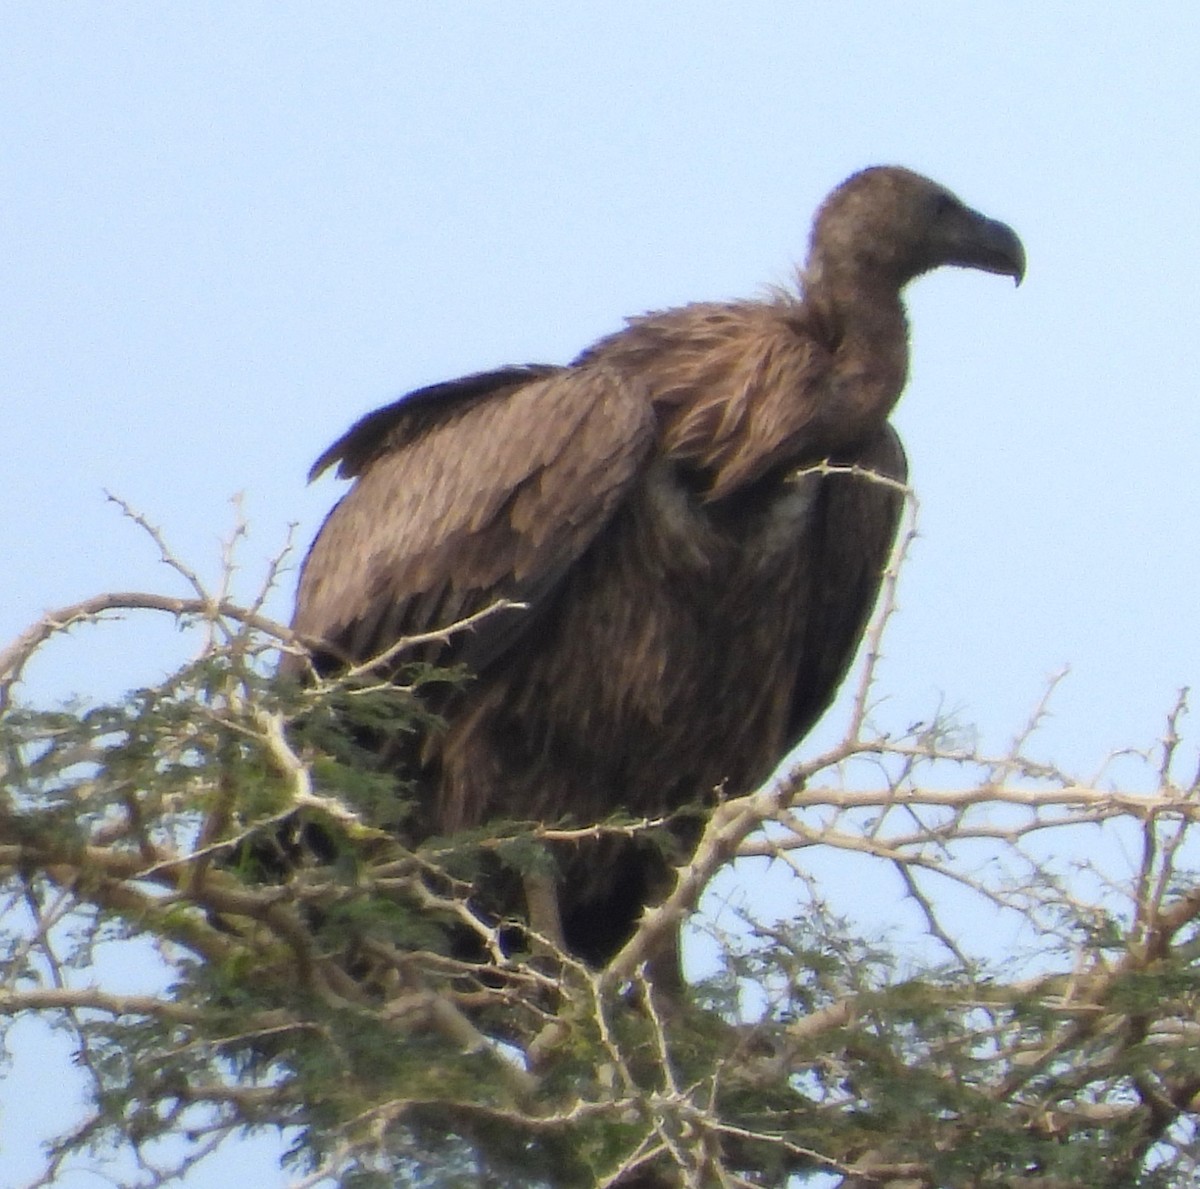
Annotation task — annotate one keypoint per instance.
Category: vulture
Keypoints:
(688, 584)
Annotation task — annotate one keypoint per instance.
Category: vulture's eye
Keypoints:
(944, 204)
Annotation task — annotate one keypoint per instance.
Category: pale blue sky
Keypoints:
(228, 229)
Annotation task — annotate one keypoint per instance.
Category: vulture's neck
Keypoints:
(863, 315)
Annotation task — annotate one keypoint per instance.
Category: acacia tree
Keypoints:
(328, 980)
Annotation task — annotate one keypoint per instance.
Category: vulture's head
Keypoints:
(891, 224)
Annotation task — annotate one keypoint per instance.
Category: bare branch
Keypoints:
(16, 656)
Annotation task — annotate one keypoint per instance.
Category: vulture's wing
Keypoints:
(851, 536)
(484, 489)
(401, 421)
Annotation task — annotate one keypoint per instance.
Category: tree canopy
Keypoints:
(1036, 1028)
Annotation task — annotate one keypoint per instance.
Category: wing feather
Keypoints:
(850, 544)
(404, 419)
(492, 496)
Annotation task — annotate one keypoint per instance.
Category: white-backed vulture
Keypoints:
(690, 604)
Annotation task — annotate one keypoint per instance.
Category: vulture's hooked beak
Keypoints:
(975, 241)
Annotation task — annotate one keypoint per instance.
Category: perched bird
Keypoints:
(689, 598)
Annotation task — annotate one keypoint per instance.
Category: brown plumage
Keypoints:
(691, 605)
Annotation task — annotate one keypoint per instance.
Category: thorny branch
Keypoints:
(1098, 1034)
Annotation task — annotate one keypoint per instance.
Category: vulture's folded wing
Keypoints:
(480, 490)
(848, 544)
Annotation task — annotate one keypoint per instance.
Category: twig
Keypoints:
(16, 656)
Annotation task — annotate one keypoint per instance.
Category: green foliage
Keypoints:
(336, 974)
